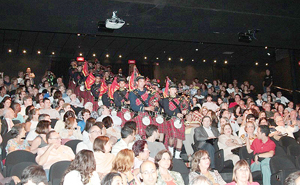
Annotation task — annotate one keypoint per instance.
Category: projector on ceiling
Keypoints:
(114, 22)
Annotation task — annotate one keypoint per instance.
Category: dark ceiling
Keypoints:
(154, 28)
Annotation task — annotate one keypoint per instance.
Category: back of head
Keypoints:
(292, 179)
(131, 124)
(108, 179)
(124, 161)
(35, 174)
(264, 129)
(201, 179)
(126, 131)
(150, 129)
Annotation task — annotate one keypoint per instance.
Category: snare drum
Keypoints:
(127, 116)
(81, 88)
(113, 112)
(159, 119)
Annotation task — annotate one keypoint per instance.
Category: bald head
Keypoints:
(148, 172)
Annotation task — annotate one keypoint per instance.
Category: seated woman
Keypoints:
(32, 120)
(82, 170)
(142, 153)
(71, 131)
(89, 123)
(242, 174)
(109, 125)
(42, 129)
(222, 122)
(163, 162)
(18, 142)
(103, 157)
(123, 164)
(112, 178)
(60, 124)
(200, 166)
(5, 104)
(203, 135)
(227, 142)
(249, 129)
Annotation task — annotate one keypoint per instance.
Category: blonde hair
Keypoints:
(247, 123)
(241, 163)
(196, 160)
(124, 161)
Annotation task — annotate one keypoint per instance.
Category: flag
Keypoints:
(168, 81)
(132, 80)
(85, 69)
(103, 88)
(113, 87)
(148, 83)
(89, 81)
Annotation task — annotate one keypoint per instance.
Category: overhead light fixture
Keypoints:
(53, 53)
(193, 60)
(256, 63)
(157, 58)
(145, 58)
(38, 52)
(215, 61)
(9, 50)
(204, 60)
(107, 55)
(225, 62)
(269, 54)
(120, 56)
(94, 54)
(266, 47)
(114, 22)
(267, 64)
(197, 49)
(169, 58)
(78, 34)
(80, 54)
(181, 59)
(24, 51)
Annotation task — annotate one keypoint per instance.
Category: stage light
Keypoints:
(78, 34)
(80, 54)
(24, 51)
(107, 55)
(38, 52)
(157, 58)
(181, 59)
(145, 58)
(53, 53)
(256, 63)
(269, 54)
(193, 60)
(267, 64)
(204, 60)
(225, 61)
(9, 51)
(215, 61)
(169, 58)
(94, 54)
(120, 56)
(196, 49)
(266, 47)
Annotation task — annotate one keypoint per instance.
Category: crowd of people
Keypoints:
(130, 128)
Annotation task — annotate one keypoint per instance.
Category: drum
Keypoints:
(113, 112)
(159, 119)
(177, 123)
(127, 116)
(81, 88)
(146, 120)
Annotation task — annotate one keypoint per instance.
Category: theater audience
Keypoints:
(5, 104)
(42, 129)
(152, 134)
(6, 122)
(32, 120)
(112, 178)
(126, 142)
(293, 179)
(148, 173)
(201, 167)
(34, 175)
(86, 114)
(110, 130)
(163, 161)
(48, 110)
(249, 132)
(71, 131)
(142, 153)
(18, 142)
(93, 133)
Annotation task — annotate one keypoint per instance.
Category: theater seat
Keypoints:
(73, 144)
(57, 171)
(281, 167)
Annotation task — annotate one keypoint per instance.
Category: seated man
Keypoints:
(152, 135)
(6, 121)
(263, 149)
(148, 173)
(283, 129)
(103, 111)
(204, 133)
(48, 110)
(94, 132)
(127, 134)
(53, 152)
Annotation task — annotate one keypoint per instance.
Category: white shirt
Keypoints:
(287, 130)
(209, 132)
(117, 120)
(283, 100)
(234, 125)
(84, 145)
(230, 90)
(120, 145)
(211, 106)
(259, 102)
(74, 178)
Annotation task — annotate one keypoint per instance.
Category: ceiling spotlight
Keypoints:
(9, 51)
(225, 61)
(107, 55)
(145, 58)
(266, 47)
(80, 54)
(94, 54)
(120, 56)
(53, 53)
(24, 51)
(204, 60)
(38, 52)
(157, 58)
(269, 54)
(181, 59)
(169, 58)
(196, 49)
(256, 63)
(193, 60)
(215, 61)
(267, 64)
(78, 34)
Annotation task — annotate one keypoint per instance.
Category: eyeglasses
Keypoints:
(95, 131)
(55, 138)
(149, 172)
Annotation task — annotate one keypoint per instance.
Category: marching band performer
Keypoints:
(139, 102)
(95, 89)
(175, 108)
(105, 97)
(122, 102)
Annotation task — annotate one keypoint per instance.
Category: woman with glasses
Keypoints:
(142, 153)
(163, 162)
(201, 166)
(242, 174)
